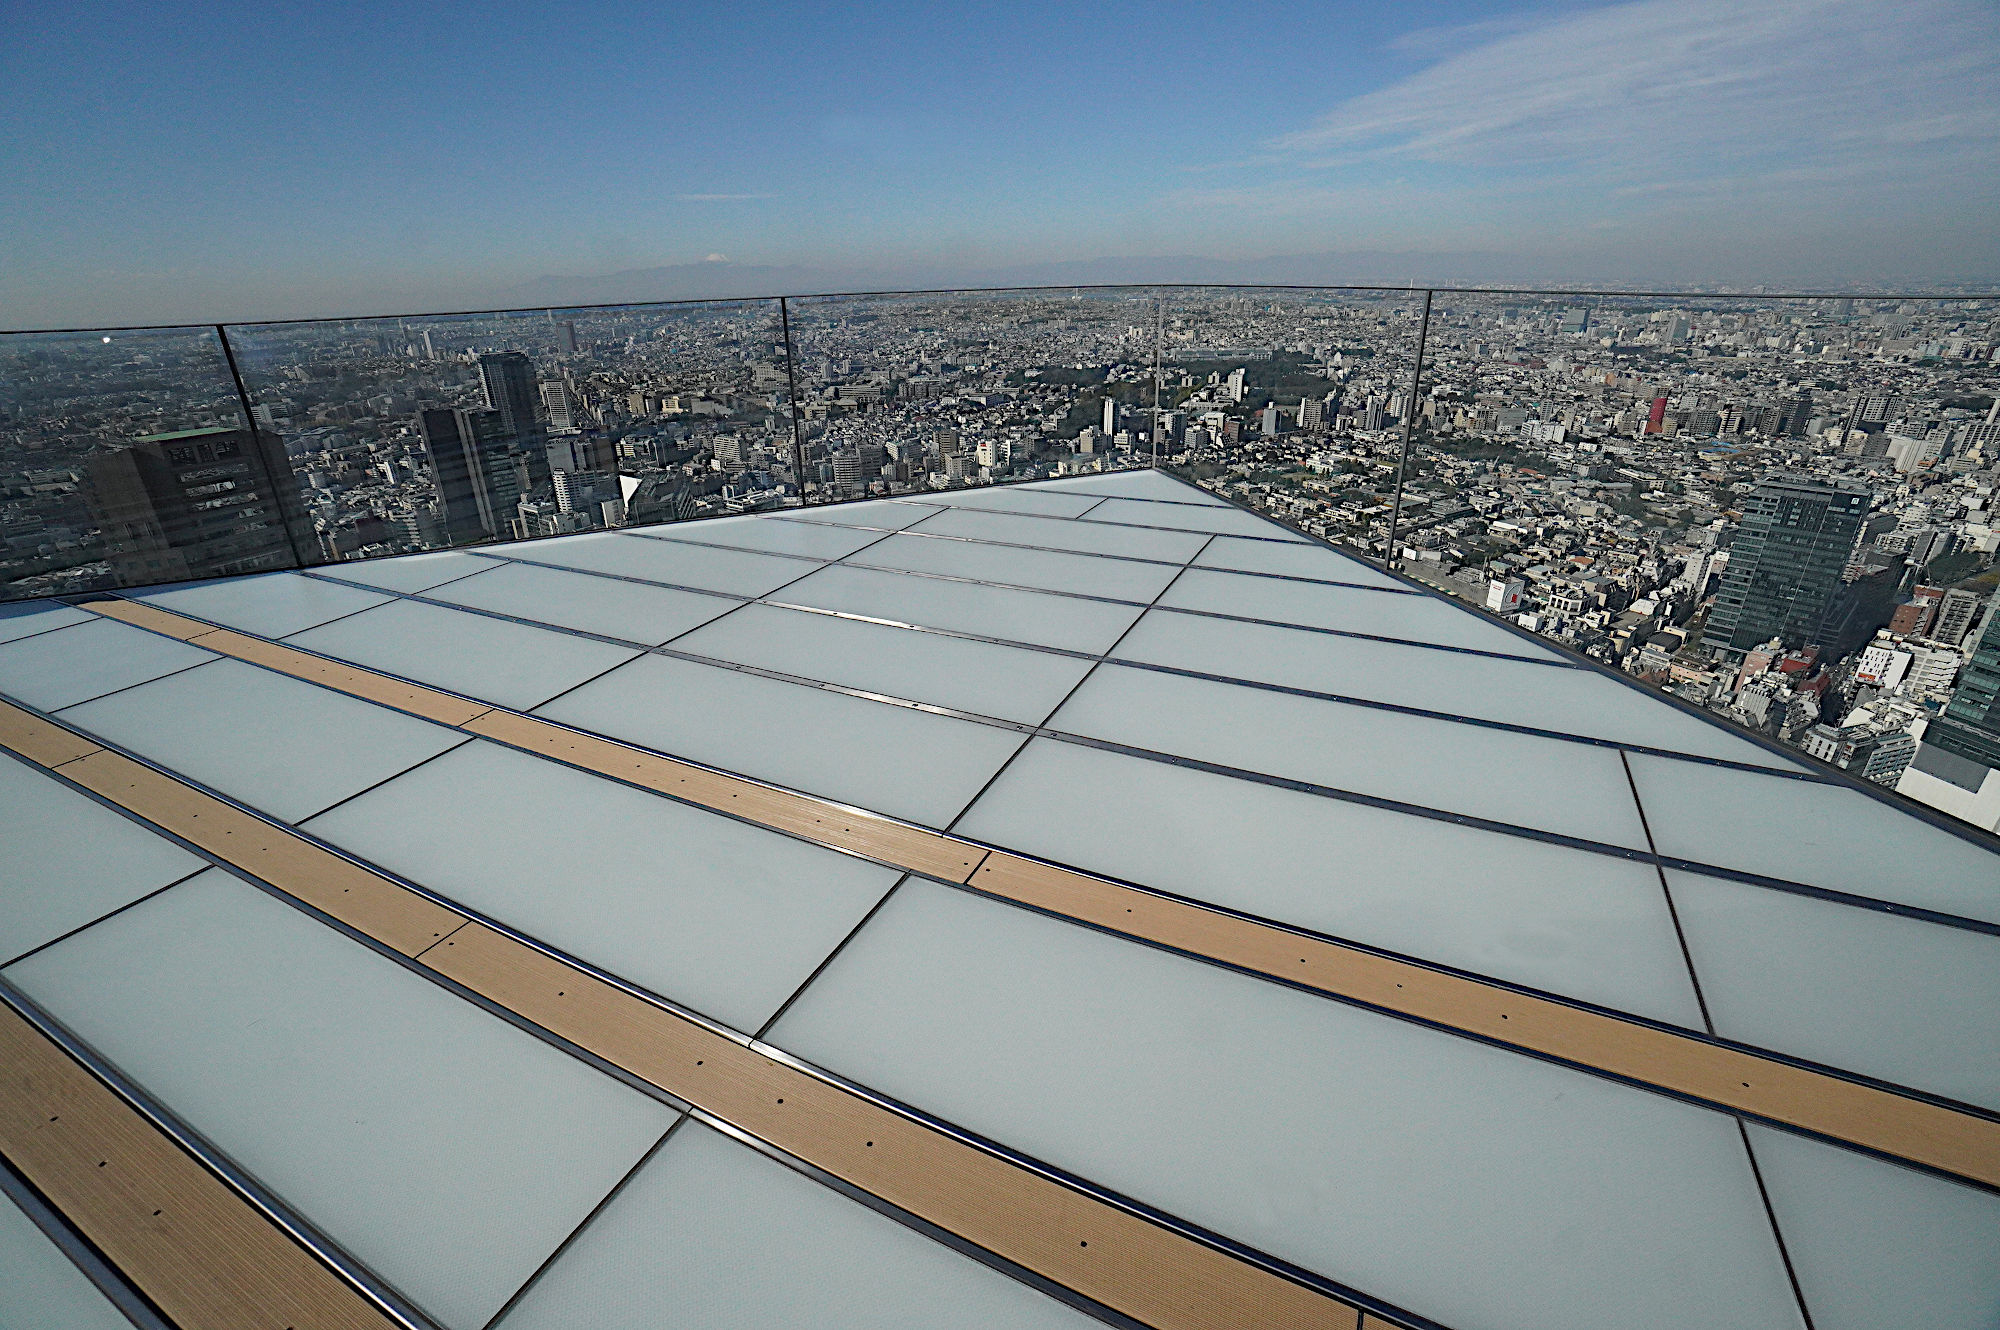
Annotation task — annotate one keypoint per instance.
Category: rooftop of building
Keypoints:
(998, 907)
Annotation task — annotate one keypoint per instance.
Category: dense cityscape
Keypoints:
(1780, 511)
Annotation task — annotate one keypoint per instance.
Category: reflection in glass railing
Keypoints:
(124, 461)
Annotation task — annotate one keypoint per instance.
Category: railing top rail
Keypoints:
(1586, 293)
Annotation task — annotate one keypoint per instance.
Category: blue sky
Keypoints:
(163, 161)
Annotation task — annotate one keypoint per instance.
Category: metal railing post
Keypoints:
(257, 447)
(792, 397)
(1409, 419)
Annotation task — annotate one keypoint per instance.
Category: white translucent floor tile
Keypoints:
(1012, 683)
(274, 742)
(1117, 579)
(1018, 499)
(1349, 609)
(712, 1233)
(1547, 784)
(1308, 560)
(1227, 521)
(607, 606)
(88, 660)
(65, 859)
(1464, 1182)
(40, 1288)
(1875, 1244)
(38, 616)
(887, 514)
(1055, 534)
(770, 534)
(1145, 484)
(1513, 692)
(1901, 999)
(1018, 616)
(448, 1150)
(737, 572)
(1565, 921)
(1822, 835)
(408, 572)
(873, 755)
(269, 605)
(722, 916)
(507, 664)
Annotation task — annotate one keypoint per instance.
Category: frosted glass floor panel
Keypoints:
(978, 677)
(1147, 484)
(1053, 534)
(1018, 499)
(1875, 1244)
(1904, 1000)
(1018, 616)
(1307, 560)
(768, 535)
(722, 916)
(43, 1289)
(887, 514)
(66, 859)
(603, 605)
(507, 664)
(1821, 835)
(448, 1150)
(1570, 789)
(1512, 692)
(273, 742)
(1359, 1146)
(735, 572)
(895, 760)
(1564, 921)
(269, 605)
(1411, 618)
(710, 1233)
(1228, 521)
(88, 660)
(1113, 578)
(25, 620)
(408, 572)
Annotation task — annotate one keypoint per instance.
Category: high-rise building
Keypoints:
(566, 338)
(1970, 726)
(1783, 578)
(1954, 615)
(475, 468)
(1312, 413)
(559, 404)
(1110, 425)
(197, 503)
(508, 380)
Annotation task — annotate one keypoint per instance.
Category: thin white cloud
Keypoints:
(1661, 90)
(721, 198)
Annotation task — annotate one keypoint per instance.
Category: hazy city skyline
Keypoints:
(428, 159)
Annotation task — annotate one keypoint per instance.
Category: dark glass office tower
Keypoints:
(508, 379)
(197, 503)
(1970, 726)
(1783, 578)
(477, 469)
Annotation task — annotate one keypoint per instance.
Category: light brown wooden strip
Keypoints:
(1828, 1105)
(177, 1232)
(1877, 1119)
(1124, 1262)
(141, 615)
(812, 819)
(351, 679)
(361, 899)
(40, 741)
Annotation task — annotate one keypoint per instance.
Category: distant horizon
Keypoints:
(405, 160)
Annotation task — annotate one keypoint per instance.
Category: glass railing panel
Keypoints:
(124, 461)
(434, 432)
(1288, 400)
(907, 394)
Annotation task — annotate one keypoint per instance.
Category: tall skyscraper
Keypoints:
(476, 469)
(1970, 726)
(197, 503)
(508, 380)
(559, 404)
(1783, 578)
(1110, 425)
(566, 338)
